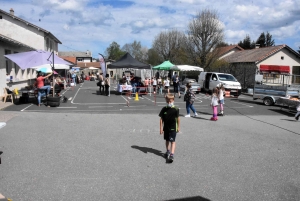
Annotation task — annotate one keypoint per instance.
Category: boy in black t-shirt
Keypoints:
(169, 125)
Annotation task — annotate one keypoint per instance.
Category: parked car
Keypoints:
(195, 86)
(210, 80)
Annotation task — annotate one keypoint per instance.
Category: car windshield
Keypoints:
(225, 77)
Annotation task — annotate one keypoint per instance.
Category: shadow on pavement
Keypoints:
(195, 198)
(286, 113)
(294, 120)
(150, 150)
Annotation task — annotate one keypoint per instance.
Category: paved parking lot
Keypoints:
(101, 149)
(85, 98)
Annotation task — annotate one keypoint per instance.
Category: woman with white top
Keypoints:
(154, 83)
(167, 84)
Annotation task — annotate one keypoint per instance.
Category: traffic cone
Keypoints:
(136, 96)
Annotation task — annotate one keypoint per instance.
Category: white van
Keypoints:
(210, 80)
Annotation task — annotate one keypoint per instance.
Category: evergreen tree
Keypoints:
(261, 41)
(269, 40)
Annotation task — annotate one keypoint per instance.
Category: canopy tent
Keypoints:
(186, 68)
(127, 61)
(166, 65)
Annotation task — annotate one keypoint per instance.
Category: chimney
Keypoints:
(257, 46)
(12, 12)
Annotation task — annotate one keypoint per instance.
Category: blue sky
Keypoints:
(94, 24)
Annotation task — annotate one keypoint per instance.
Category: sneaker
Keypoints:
(297, 118)
(179, 96)
(195, 114)
(167, 155)
(187, 115)
(171, 158)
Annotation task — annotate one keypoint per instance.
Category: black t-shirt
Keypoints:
(169, 117)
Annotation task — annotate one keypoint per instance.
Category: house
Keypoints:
(244, 64)
(84, 60)
(18, 35)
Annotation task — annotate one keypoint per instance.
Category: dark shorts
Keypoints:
(166, 87)
(170, 136)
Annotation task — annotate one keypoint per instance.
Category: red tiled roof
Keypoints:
(226, 49)
(70, 59)
(256, 55)
(88, 64)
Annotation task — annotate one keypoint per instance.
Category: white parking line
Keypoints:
(100, 106)
(65, 107)
(26, 108)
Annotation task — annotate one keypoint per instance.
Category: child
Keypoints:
(214, 104)
(169, 125)
(221, 100)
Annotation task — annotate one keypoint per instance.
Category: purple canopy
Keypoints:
(36, 58)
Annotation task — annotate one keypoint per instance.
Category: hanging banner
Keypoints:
(102, 64)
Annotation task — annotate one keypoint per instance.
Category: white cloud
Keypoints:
(93, 24)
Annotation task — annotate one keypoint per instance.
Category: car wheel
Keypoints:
(53, 99)
(268, 101)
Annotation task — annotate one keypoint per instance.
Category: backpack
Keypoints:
(186, 96)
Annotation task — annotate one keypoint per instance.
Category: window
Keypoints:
(214, 77)
(79, 59)
(224, 77)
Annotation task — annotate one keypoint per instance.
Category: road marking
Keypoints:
(26, 108)
(66, 107)
(236, 101)
(136, 106)
(70, 98)
(99, 106)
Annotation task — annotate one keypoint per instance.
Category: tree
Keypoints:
(168, 44)
(154, 58)
(136, 50)
(261, 41)
(269, 40)
(205, 32)
(265, 40)
(113, 51)
(246, 43)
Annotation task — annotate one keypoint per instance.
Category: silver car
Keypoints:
(195, 86)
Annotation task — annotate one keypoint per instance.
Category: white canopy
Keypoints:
(56, 66)
(93, 68)
(186, 68)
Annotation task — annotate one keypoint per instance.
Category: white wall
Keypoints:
(289, 59)
(19, 31)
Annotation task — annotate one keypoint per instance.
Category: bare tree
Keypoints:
(136, 50)
(205, 32)
(168, 45)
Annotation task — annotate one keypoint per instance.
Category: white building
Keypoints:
(18, 35)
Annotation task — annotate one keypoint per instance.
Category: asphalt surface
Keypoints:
(115, 153)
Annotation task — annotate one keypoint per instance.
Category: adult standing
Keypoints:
(101, 84)
(133, 83)
(189, 99)
(174, 82)
(107, 84)
(74, 78)
(41, 87)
